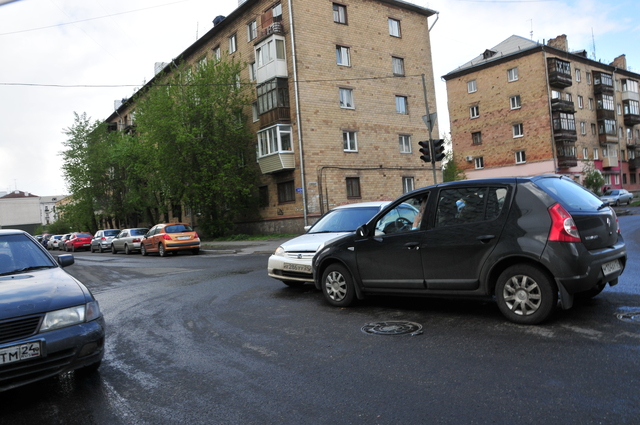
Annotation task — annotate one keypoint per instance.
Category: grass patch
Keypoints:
(253, 237)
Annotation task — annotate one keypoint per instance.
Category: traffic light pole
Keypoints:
(429, 121)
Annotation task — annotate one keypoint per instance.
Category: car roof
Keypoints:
(376, 204)
(12, 232)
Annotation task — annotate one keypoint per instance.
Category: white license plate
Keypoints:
(611, 267)
(181, 238)
(19, 352)
(297, 267)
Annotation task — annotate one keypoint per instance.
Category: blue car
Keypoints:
(50, 323)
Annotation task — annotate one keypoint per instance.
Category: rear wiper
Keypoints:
(604, 205)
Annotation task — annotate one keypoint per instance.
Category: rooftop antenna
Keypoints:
(531, 32)
(593, 41)
(197, 27)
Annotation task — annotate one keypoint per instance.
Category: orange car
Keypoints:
(170, 237)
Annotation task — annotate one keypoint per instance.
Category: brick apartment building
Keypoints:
(339, 100)
(523, 108)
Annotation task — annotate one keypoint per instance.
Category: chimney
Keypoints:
(620, 62)
(560, 43)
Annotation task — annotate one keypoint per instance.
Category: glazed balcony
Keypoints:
(602, 83)
(561, 105)
(559, 73)
(276, 162)
(564, 127)
(631, 119)
(566, 153)
(634, 164)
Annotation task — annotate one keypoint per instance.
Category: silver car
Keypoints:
(617, 197)
(128, 240)
(102, 239)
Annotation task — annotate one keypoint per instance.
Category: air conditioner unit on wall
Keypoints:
(469, 158)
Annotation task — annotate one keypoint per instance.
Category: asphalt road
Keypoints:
(211, 339)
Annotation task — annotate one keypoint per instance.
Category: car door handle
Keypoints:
(485, 238)
(412, 245)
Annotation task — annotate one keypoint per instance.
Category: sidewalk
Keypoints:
(267, 246)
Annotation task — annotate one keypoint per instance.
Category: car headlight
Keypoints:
(70, 316)
(279, 252)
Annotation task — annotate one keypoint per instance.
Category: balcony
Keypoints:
(564, 127)
(275, 116)
(606, 139)
(605, 114)
(274, 28)
(602, 83)
(276, 162)
(609, 161)
(632, 143)
(566, 152)
(631, 119)
(634, 163)
(559, 73)
(561, 105)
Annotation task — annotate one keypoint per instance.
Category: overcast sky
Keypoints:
(65, 56)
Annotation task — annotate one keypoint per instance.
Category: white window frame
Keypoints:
(274, 140)
(585, 153)
(578, 75)
(521, 157)
(343, 55)
(596, 155)
(254, 111)
(583, 128)
(346, 98)
(350, 141)
(407, 184)
(474, 112)
(472, 86)
(394, 28)
(233, 43)
(397, 65)
(515, 102)
(404, 141)
(518, 130)
(402, 105)
(512, 74)
(478, 162)
(252, 30)
(253, 71)
(580, 102)
(216, 53)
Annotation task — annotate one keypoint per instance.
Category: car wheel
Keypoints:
(526, 295)
(113, 249)
(337, 285)
(143, 250)
(73, 248)
(126, 249)
(100, 248)
(584, 295)
(161, 250)
(293, 283)
(617, 202)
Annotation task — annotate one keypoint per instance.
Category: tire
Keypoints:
(143, 250)
(126, 250)
(113, 249)
(100, 249)
(526, 295)
(161, 250)
(337, 285)
(617, 203)
(293, 283)
(73, 248)
(91, 249)
(585, 295)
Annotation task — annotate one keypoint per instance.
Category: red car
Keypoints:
(78, 241)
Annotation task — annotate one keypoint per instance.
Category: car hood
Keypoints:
(309, 242)
(38, 291)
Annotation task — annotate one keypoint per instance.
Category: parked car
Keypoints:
(101, 241)
(170, 237)
(62, 242)
(617, 197)
(45, 239)
(78, 241)
(50, 323)
(291, 262)
(522, 241)
(128, 240)
(53, 242)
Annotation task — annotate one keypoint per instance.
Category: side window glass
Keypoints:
(469, 205)
(404, 217)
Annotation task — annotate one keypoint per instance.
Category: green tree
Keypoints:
(450, 170)
(593, 179)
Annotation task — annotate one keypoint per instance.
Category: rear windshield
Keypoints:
(344, 220)
(111, 232)
(178, 228)
(83, 235)
(138, 232)
(570, 194)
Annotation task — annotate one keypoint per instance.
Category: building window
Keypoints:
(405, 143)
(407, 184)
(353, 187)
(479, 162)
(518, 130)
(474, 111)
(588, 74)
(272, 94)
(568, 97)
(512, 74)
(274, 139)
(585, 153)
(578, 75)
(350, 141)
(216, 53)
(394, 27)
(607, 127)
(252, 30)
(471, 86)
(596, 155)
(398, 65)
(476, 138)
(591, 104)
(564, 121)
(583, 128)
(605, 101)
(520, 157)
(233, 44)
(286, 192)
(342, 56)
(593, 129)
(580, 102)
(623, 155)
(632, 178)
(515, 102)
(254, 112)
(401, 105)
(252, 71)
(263, 196)
(346, 98)
(339, 13)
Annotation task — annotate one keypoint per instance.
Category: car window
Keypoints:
(344, 219)
(138, 232)
(19, 252)
(404, 217)
(111, 232)
(82, 235)
(569, 193)
(178, 228)
(469, 205)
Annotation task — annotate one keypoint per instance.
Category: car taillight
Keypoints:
(195, 235)
(166, 237)
(136, 239)
(103, 238)
(617, 222)
(563, 228)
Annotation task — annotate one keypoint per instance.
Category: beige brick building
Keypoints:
(339, 100)
(523, 108)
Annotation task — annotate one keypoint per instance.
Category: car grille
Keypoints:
(301, 255)
(23, 372)
(14, 329)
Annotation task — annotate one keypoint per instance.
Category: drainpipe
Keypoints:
(298, 121)
(553, 140)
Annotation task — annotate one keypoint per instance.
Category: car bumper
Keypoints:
(176, 246)
(62, 350)
(293, 269)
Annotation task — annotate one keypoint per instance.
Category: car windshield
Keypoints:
(611, 193)
(18, 253)
(138, 232)
(83, 235)
(111, 232)
(178, 228)
(344, 220)
(570, 193)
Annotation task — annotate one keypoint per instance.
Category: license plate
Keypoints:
(181, 238)
(19, 352)
(297, 267)
(611, 267)
(87, 244)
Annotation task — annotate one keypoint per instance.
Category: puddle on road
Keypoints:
(393, 327)
(631, 317)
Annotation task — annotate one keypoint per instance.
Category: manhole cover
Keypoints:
(633, 317)
(392, 328)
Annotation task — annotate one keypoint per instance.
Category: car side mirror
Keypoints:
(65, 260)
(362, 231)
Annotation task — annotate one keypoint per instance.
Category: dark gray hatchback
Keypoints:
(526, 242)
(49, 322)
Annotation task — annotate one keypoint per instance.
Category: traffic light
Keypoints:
(424, 150)
(438, 150)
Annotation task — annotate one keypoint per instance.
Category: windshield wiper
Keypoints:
(26, 269)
